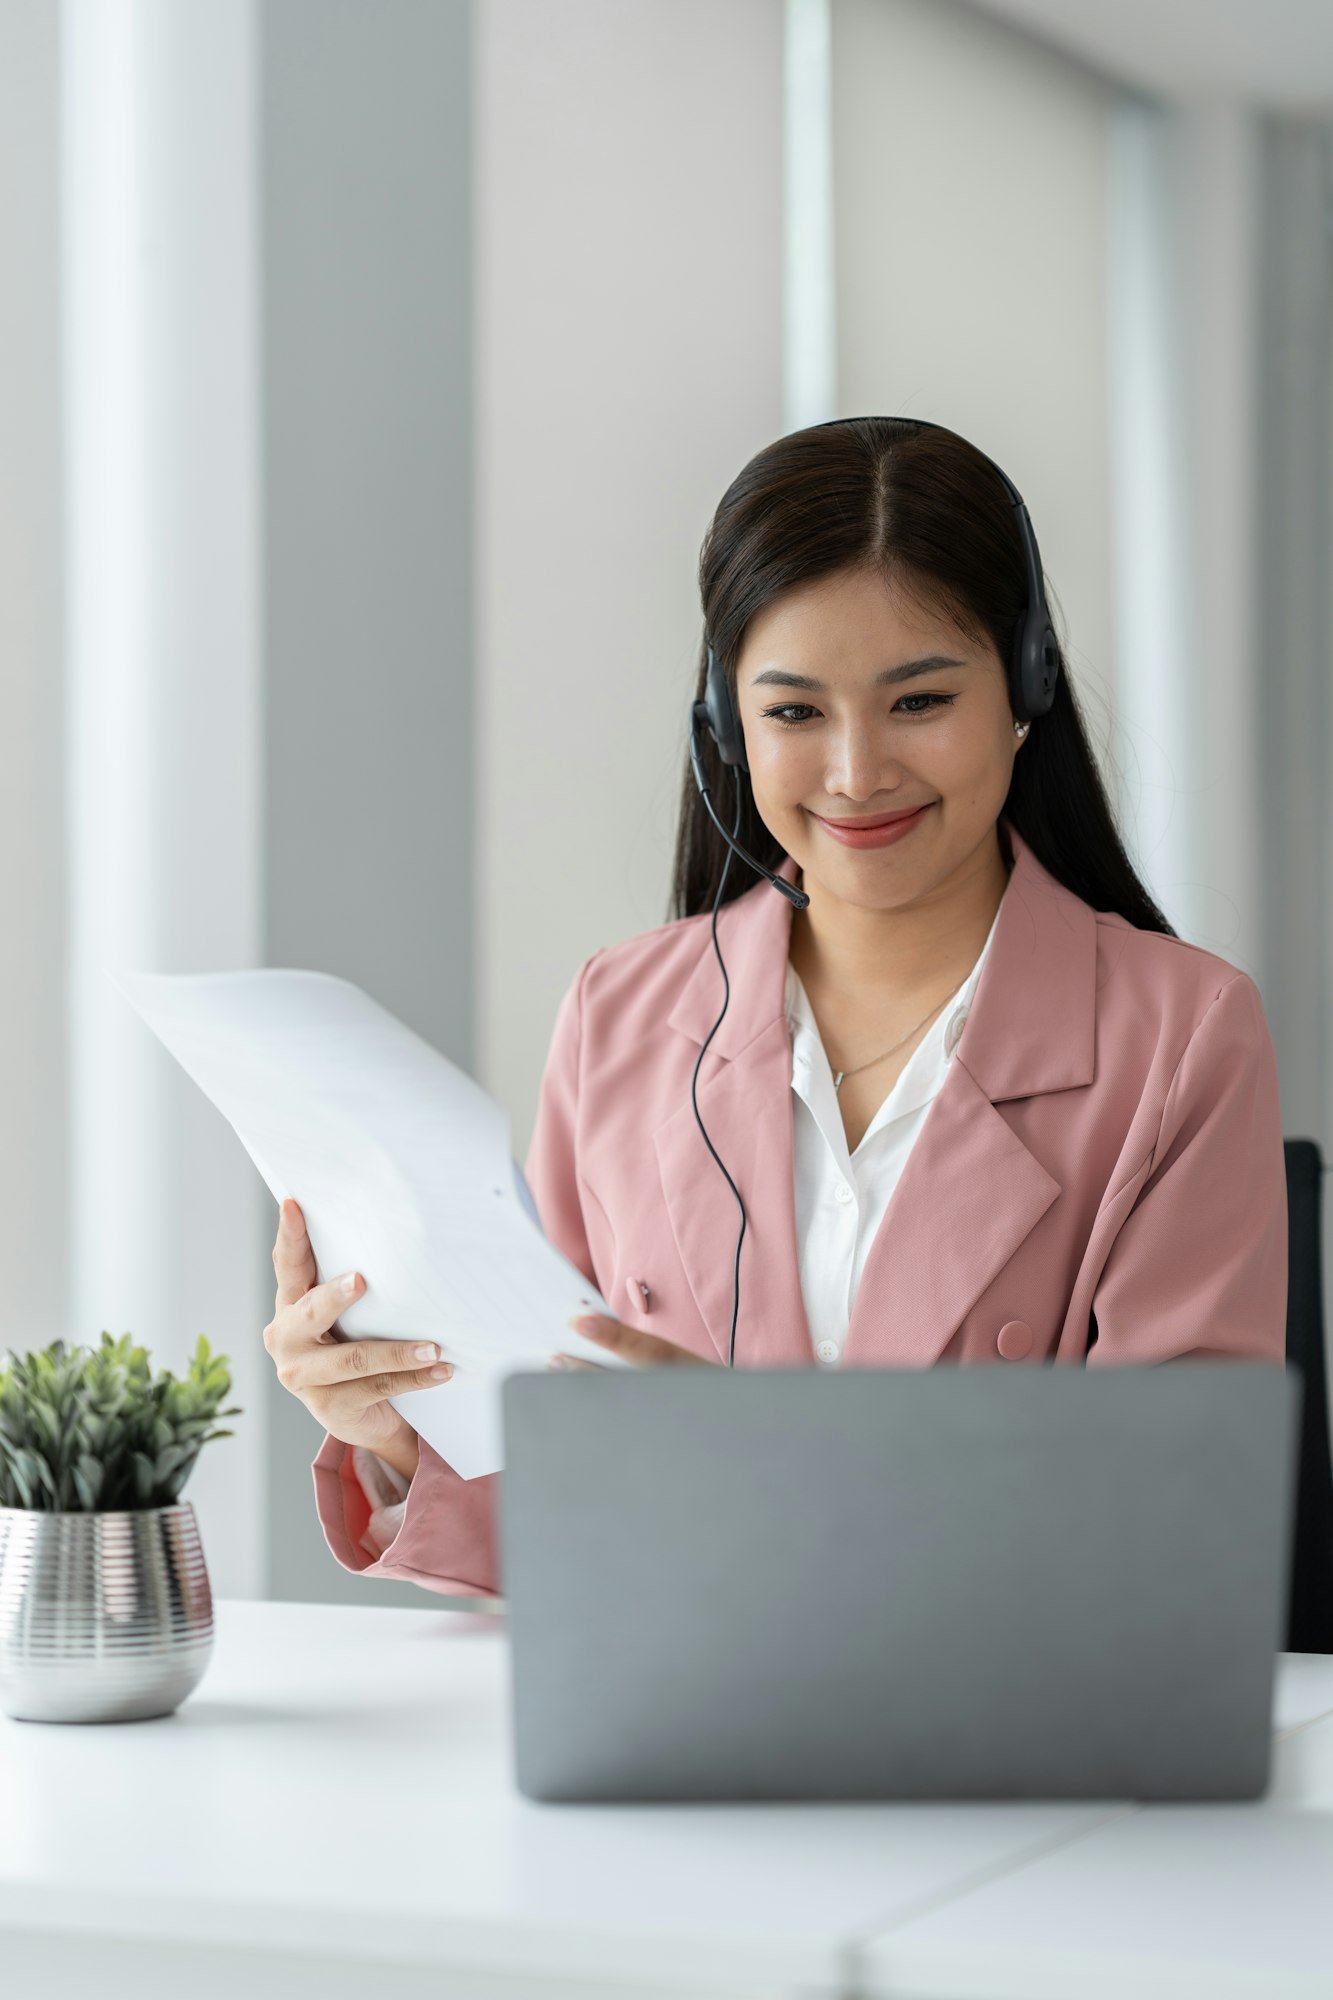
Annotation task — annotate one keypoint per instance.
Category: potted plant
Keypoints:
(106, 1614)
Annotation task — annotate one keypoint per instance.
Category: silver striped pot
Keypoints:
(103, 1617)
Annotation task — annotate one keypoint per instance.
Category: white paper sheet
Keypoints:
(403, 1168)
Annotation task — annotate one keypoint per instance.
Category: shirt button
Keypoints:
(827, 1350)
(842, 1192)
(954, 1034)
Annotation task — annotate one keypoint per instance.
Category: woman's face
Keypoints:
(839, 746)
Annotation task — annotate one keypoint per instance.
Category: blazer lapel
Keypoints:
(745, 1102)
(970, 1190)
(746, 1109)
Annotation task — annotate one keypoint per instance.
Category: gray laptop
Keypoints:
(897, 1584)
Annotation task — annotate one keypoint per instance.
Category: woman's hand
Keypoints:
(646, 1350)
(343, 1384)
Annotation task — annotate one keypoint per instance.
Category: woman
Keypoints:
(986, 1017)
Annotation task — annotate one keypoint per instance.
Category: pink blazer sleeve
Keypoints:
(441, 1534)
(1198, 1266)
(551, 1168)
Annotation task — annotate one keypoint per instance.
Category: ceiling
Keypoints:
(1273, 52)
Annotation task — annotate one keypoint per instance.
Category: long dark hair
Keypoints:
(926, 509)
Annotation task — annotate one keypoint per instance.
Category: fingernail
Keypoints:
(558, 1361)
(347, 1285)
(586, 1323)
(443, 1372)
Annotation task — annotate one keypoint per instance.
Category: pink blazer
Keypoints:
(1104, 1160)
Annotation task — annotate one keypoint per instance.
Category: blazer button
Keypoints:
(1014, 1339)
(639, 1294)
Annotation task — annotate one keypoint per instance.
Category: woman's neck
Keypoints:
(839, 948)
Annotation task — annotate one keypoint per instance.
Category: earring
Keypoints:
(1020, 729)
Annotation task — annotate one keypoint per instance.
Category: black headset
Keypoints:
(1033, 671)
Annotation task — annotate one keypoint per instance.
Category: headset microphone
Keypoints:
(1033, 670)
(699, 720)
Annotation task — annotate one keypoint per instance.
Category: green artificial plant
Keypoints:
(93, 1430)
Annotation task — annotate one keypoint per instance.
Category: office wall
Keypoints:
(628, 233)
(34, 1156)
(369, 786)
(1286, 788)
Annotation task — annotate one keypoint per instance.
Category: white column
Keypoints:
(1184, 295)
(1156, 747)
(167, 1217)
(810, 374)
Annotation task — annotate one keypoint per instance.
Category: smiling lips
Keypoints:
(884, 830)
(868, 825)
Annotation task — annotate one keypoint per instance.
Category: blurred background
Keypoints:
(369, 372)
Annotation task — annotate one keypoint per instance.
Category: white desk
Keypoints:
(334, 1804)
(1229, 1902)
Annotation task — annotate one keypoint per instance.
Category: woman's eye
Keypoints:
(783, 715)
(938, 701)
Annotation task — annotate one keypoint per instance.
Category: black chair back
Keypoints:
(1310, 1614)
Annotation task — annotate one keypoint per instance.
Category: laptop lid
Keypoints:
(916, 1584)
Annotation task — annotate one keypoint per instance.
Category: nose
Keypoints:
(858, 769)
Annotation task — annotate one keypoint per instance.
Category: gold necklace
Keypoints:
(837, 1081)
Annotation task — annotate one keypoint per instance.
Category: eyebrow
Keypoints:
(778, 677)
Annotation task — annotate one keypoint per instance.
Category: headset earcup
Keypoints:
(1036, 667)
(722, 717)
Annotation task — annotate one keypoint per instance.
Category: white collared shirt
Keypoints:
(841, 1197)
